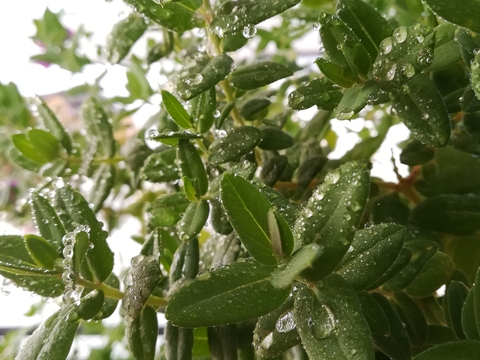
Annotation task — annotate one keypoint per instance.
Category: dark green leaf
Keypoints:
(476, 290)
(109, 305)
(463, 13)
(193, 220)
(453, 214)
(355, 99)
(339, 75)
(209, 299)
(438, 334)
(423, 111)
(374, 314)
(166, 210)
(413, 318)
(274, 139)
(453, 301)
(142, 333)
(47, 220)
(191, 166)
(219, 219)
(464, 349)
(204, 75)
(238, 142)
(259, 74)
(185, 261)
(331, 216)
(91, 304)
(171, 137)
(80, 249)
(161, 167)
(44, 342)
(176, 110)
(48, 285)
(178, 342)
(203, 107)
(416, 153)
(103, 182)
(256, 108)
(371, 253)
(309, 169)
(41, 251)
(99, 126)
(123, 36)
(320, 92)
(222, 341)
(469, 324)
(447, 50)
(324, 313)
(436, 272)
(272, 169)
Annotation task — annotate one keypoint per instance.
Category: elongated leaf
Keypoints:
(178, 342)
(166, 210)
(142, 333)
(45, 143)
(248, 210)
(19, 159)
(423, 111)
(26, 148)
(475, 79)
(320, 92)
(274, 139)
(46, 285)
(109, 304)
(355, 99)
(171, 137)
(256, 108)
(469, 324)
(193, 220)
(192, 167)
(256, 75)
(123, 36)
(324, 313)
(371, 253)
(235, 15)
(374, 314)
(185, 261)
(463, 13)
(203, 107)
(238, 142)
(413, 318)
(14, 246)
(464, 349)
(90, 304)
(331, 216)
(204, 75)
(455, 296)
(272, 169)
(400, 263)
(447, 50)
(41, 251)
(209, 299)
(103, 182)
(98, 126)
(47, 220)
(176, 110)
(18, 267)
(476, 291)
(44, 342)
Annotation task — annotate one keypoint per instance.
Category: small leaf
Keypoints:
(176, 110)
(447, 50)
(256, 108)
(412, 316)
(469, 323)
(374, 314)
(45, 143)
(463, 349)
(272, 169)
(193, 220)
(219, 219)
(161, 167)
(41, 251)
(103, 183)
(331, 216)
(123, 36)
(256, 75)
(371, 253)
(178, 342)
(238, 142)
(80, 249)
(355, 99)
(416, 153)
(309, 169)
(166, 210)
(209, 299)
(171, 137)
(44, 344)
(400, 263)
(464, 15)
(320, 92)
(455, 297)
(98, 126)
(191, 166)
(274, 139)
(323, 313)
(26, 147)
(14, 246)
(475, 77)
(203, 107)
(142, 333)
(185, 261)
(339, 75)
(109, 304)
(90, 304)
(19, 159)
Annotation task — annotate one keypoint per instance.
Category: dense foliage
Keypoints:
(255, 244)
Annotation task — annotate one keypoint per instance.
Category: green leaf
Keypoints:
(26, 147)
(476, 290)
(366, 23)
(416, 153)
(185, 261)
(331, 216)
(178, 16)
(323, 314)
(320, 92)
(74, 211)
(256, 108)
(469, 323)
(166, 210)
(103, 183)
(171, 137)
(274, 139)
(219, 219)
(452, 214)
(47, 220)
(46, 285)
(191, 166)
(447, 50)
(14, 246)
(372, 252)
(204, 75)
(50, 121)
(463, 349)
(110, 304)
(203, 107)
(176, 110)
(193, 220)
(178, 342)
(276, 332)
(259, 74)
(412, 316)
(209, 299)
(99, 126)
(396, 345)
(422, 251)
(80, 249)
(142, 333)
(309, 169)
(90, 304)
(475, 77)
(248, 210)
(238, 142)
(272, 169)
(44, 344)
(421, 108)
(41, 251)
(374, 314)
(339, 75)
(161, 167)
(455, 297)
(400, 263)
(235, 15)
(436, 272)
(19, 159)
(355, 99)
(123, 36)
(141, 279)
(438, 334)
(463, 13)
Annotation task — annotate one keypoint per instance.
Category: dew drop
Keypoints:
(386, 45)
(249, 31)
(400, 34)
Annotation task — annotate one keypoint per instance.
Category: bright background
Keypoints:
(98, 17)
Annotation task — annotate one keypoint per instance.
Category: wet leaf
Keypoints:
(176, 110)
(161, 167)
(256, 108)
(41, 251)
(238, 142)
(166, 210)
(103, 183)
(90, 304)
(463, 349)
(171, 137)
(469, 323)
(191, 166)
(374, 314)
(99, 126)
(142, 333)
(123, 36)
(412, 316)
(178, 342)
(342, 76)
(185, 261)
(355, 99)
(203, 108)
(259, 74)
(462, 14)
(193, 220)
(455, 297)
(320, 92)
(274, 139)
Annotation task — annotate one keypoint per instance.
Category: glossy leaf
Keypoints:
(178, 342)
(80, 249)
(371, 253)
(342, 76)
(103, 182)
(469, 323)
(355, 99)
(26, 148)
(320, 92)
(274, 139)
(321, 314)
(331, 216)
(171, 137)
(457, 13)
(208, 300)
(272, 169)
(219, 219)
(398, 265)
(476, 295)
(14, 246)
(109, 304)
(259, 74)
(413, 318)
(447, 50)
(464, 349)
(238, 142)
(453, 301)
(416, 153)
(256, 108)
(191, 166)
(41, 251)
(185, 261)
(90, 304)
(161, 167)
(142, 333)
(98, 126)
(374, 314)
(193, 220)
(19, 159)
(176, 110)
(166, 210)
(123, 36)
(203, 107)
